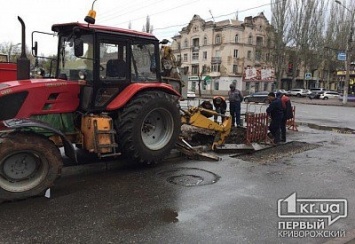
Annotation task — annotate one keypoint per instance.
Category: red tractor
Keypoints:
(108, 97)
(7, 70)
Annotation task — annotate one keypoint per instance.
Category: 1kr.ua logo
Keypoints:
(331, 209)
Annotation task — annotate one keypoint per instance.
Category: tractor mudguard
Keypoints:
(135, 88)
(26, 123)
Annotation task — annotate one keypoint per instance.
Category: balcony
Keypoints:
(195, 48)
(216, 60)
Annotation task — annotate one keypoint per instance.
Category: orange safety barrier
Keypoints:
(257, 127)
(291, 123)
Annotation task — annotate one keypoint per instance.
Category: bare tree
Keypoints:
(147, 27)
(11, 50)
(306, 28)
(280, 14)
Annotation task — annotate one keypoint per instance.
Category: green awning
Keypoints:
(207, 78)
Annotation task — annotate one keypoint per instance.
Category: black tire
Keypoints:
(29, 164)
(246, 100)
(149, 126)
(298, 95)
(325, 98)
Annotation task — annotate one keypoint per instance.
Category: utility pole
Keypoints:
(347, 60)
(347, 52)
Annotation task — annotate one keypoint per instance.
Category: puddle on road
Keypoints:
(274, 153)
(340, 130)
(169, 216)
(189, 177)
(186, 180)
(142, 220)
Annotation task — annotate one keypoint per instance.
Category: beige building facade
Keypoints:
(225, 52)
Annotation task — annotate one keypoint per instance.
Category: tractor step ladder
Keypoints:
(111, 146)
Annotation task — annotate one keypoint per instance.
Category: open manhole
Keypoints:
(189, 177)
(274, 153)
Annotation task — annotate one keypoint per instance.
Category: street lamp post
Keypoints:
(347, 51)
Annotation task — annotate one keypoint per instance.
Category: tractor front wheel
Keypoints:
(149, 126)
(29, 164)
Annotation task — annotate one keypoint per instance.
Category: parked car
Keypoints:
(351, 98)
(257, 97)
(328, 94)
(190, 95)
(317, 90)
(281, 91)
(315, 93)
(299, 92)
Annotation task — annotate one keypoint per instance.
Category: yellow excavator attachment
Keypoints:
(198, 117)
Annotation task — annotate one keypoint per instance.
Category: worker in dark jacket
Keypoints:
(276, 112)
(235, 98)
(220, 106)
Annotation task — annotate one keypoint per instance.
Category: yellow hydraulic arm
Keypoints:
(197, 116)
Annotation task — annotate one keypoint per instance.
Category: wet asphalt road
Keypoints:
(186, 201)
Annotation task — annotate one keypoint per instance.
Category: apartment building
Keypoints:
(225, 52)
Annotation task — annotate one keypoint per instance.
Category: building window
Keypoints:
(247, 86)
(205, 40)
(235, 69)
(186, 43)
(216, 85)
(204, 55)
(185, 57)
(258, 55)
(249, 55)
(266, 86)
(195, 42)
(235, 53)
(236, 38)
(257, 86)
(195, 56)
(259, 41)
(218, 39)
(194, 70)
(178, 58)
(215, 68)
(250, 39)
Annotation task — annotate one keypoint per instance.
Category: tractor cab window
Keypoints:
(113, 61)
(73, 67)
(143, 62)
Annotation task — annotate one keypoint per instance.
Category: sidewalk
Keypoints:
(329, 102)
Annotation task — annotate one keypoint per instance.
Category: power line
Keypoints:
(163, 11)
(220, 16)
(120, 14)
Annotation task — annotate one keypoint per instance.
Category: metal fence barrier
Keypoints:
(291, 123)
(256, 128)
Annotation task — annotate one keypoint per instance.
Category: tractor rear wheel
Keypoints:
(29, 164)
(149, 126)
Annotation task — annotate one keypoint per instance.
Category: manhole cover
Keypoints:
(189, 177)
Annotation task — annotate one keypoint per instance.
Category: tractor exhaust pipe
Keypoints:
(23, 63)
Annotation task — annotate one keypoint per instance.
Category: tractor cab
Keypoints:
(105, 60)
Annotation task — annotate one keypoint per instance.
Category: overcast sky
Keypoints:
(167, 17)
